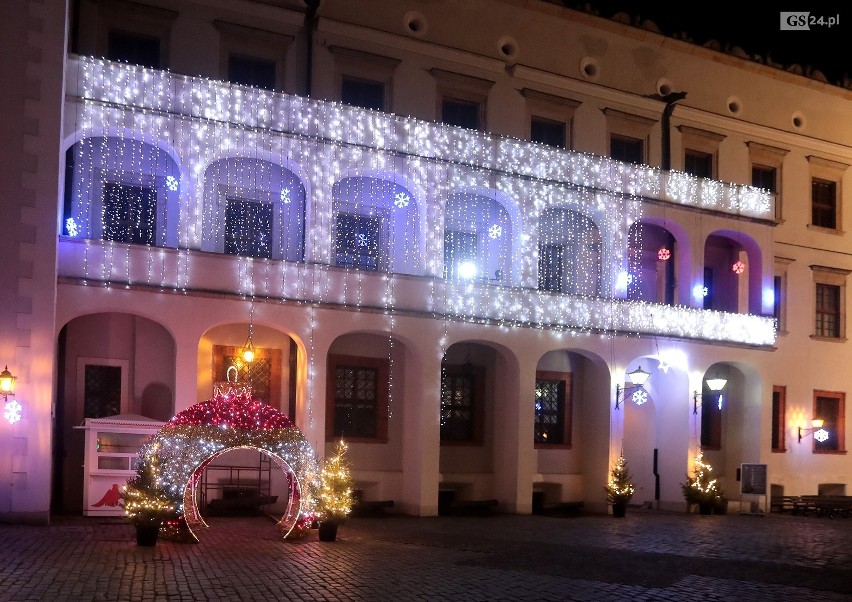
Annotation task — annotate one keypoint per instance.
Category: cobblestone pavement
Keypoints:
(644, 556)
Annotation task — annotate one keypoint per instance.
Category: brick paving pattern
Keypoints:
(645, 556)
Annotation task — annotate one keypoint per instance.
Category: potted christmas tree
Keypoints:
(146, 502)
(701, 488)
(619, 489)
(335, 495)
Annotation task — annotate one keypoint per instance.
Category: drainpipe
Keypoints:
(310, 26)
(670, 99)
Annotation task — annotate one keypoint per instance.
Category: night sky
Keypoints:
(755, 30)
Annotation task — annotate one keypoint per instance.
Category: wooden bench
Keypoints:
(824, 505)
(469, 507)
(561, 509)
(239, 504)
(781, 503)
(364, 508)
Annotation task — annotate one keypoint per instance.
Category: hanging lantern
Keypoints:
(664, 254)
(738, 267)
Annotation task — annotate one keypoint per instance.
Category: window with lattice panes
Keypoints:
(248, 228)
(358, 241)
(711, 419)
(779, 411)
(461, 255)
(827, 310)
(102, 391)
(830, 407)
(263, 374)
(357, 398)
(823, 203)
(129, 214)
(552, 409)
(461, 399)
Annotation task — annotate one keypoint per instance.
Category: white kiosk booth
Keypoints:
(111, 454)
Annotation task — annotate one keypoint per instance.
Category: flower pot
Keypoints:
(327, 531)
(705, 508)
(619, 509)
(146, 535)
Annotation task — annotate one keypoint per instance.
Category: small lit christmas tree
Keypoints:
(145, 500)
(335, 495)
(619, 490)
(701, 488)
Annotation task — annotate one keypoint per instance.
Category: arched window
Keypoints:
(376, 225)
(569, 253)
(122, 190)
(254, 208)
(477, 238)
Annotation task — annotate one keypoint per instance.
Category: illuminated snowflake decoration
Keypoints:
(171, 183)
(821, 435)
(71, 227)
(13, 411)
(495, 231)
(738, 267)
(285, 196)
(639, 397)
(401, 200)
(362, 239)
(664, 254)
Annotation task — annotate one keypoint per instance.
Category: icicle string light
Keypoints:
(138, 88)
(310, 184)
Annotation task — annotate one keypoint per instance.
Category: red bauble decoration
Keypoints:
(664, 254)
(738, 267)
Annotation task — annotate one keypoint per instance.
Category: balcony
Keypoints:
(193, 123)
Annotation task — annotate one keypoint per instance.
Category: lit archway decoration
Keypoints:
(232, 419)
(738, 267)
(664, 254)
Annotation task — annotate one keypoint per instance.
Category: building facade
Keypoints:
(452, 231)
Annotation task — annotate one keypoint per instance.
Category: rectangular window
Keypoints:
(252, 71)
(460, 255)
(461, 399)
(358, 244)
(549, 131)
(102, 391)
(364, 93)
(827, 310)
(698, 164)
(553, 409)
(764, 177)
(830, 407)
(779, 410)
(461, 113)
(133, 48)
(778, 286)
(130, 214)
(627, 149)
(358, 398)
(248, 228)
(711, 419)
(551, 267)
(708, 288)
(824, 203)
